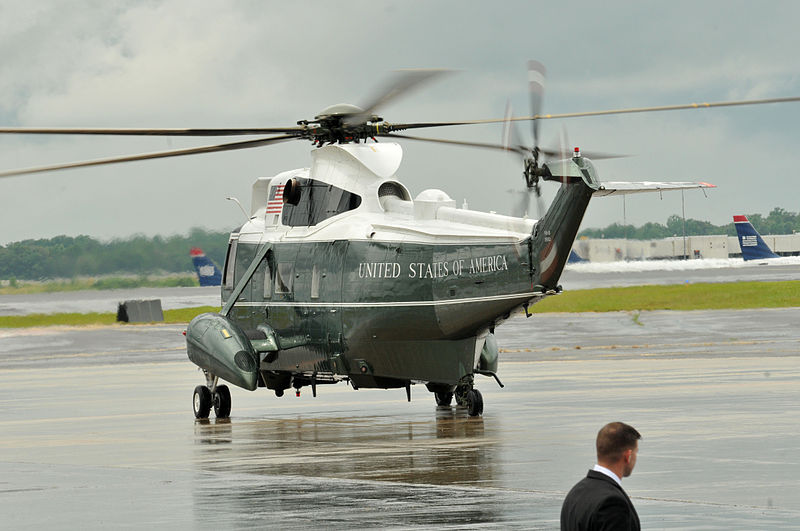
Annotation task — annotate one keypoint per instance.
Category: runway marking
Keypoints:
(50, 420)
(659, 345)
(99, 354)
(58, 329)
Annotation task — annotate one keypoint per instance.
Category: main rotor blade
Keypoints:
(669, 108)
(403, 81)
(156, 155)
(629, 111)
(497, 147)
(149, 131)
(596, 155)
(298, 130)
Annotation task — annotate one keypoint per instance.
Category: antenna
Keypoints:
(246, 217)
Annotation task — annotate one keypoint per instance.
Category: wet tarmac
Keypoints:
(97, 432)
(105, 301)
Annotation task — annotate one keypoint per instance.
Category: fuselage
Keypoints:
(340, 274)
(369, 283)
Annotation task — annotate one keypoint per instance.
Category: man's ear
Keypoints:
(626, 455)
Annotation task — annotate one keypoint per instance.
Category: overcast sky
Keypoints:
(258, 63)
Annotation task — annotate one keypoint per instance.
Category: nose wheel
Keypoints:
(222, 402)
(201, 402)
(206, 396)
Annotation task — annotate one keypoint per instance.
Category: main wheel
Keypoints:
(201, 402)
(222, 402)
(474, 402)
(444, 399)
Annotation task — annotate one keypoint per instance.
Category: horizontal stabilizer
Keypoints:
(622, 187)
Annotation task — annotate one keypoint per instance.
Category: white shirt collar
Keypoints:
(607, 472)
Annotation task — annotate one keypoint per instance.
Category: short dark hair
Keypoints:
(614, 439)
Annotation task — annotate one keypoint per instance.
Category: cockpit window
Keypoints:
(230, 265)
(318, 201)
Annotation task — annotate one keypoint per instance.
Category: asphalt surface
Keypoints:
(97, 432)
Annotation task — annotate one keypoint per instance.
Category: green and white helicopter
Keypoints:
(342, 274)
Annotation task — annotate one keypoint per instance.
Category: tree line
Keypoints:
(778, 221)
(70, 257)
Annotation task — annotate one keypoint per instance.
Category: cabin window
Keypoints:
(315, 282)
(230, 265)
(317, 202)
(284, 279)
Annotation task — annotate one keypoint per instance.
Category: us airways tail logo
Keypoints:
(750, 241)
(208, 274)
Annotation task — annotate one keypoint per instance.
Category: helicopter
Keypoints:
(341, 275)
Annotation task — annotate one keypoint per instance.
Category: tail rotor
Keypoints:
(530, 155)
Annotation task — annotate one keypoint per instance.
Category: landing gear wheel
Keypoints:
(474, 402)
(201, 401)
(444, 399)
(222, 402)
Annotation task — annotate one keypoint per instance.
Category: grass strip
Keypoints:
(183, 315)
(100, 283)
(704, 296)
(709, 296)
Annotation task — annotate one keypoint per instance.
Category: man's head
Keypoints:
(617, 447)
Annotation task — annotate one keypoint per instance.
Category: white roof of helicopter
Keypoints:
(431, 217)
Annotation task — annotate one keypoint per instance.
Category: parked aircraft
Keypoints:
(752, 244)
(575, 258)
(208, 274)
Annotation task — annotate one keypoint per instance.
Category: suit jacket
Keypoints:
(597, 502)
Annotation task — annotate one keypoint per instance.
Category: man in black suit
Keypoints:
(597, 501)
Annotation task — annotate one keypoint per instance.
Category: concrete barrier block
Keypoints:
(140, 311)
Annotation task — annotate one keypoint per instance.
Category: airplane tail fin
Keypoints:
(575, 258)
(752, 245)
(207, 271)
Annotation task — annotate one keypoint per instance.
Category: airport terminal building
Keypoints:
(678, 247)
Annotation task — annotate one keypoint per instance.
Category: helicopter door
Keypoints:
(326, 287)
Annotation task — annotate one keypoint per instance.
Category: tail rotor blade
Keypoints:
(512, 140)
(522, 202)
(565, 154)
(539, 206)
(536, 77)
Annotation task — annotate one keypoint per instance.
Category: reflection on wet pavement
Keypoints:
(451, 451)
(97, 428)
(370, 472)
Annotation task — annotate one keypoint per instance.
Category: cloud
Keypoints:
(243, 63)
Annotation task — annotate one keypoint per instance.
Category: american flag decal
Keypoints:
(275, 203)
